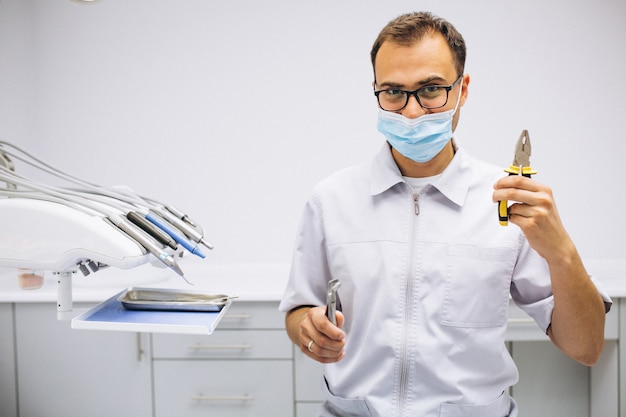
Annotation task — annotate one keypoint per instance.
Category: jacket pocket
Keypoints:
(335, 406)
(478, 281)
(503, 406)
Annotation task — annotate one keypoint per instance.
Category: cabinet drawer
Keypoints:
(223, 388)
(308, 375)
(224, 344)
(308, 409)
(253, 315)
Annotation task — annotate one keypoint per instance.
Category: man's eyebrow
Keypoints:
(390, 84)
(432, 78)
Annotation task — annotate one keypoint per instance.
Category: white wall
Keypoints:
(233, 110)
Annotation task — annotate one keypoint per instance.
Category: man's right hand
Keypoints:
(317, 337)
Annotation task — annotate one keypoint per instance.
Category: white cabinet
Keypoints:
(244, 369)
(308, 377)
(76, 373)
(247, 368)
(552, 384)
(8, 389)
(252, 388)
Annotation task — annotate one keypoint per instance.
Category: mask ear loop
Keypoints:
(458, 99)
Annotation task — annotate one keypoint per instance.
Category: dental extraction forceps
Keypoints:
(331, 300)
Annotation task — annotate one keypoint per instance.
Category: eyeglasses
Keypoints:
(429, 97)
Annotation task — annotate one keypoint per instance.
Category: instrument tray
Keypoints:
(172, 300)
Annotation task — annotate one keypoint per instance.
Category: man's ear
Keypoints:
(465, 83)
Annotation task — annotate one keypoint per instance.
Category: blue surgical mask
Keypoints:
(419, 139)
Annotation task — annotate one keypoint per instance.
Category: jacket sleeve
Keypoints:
(309, 273)
(531, 287)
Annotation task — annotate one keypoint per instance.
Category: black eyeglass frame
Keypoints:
(408, 93)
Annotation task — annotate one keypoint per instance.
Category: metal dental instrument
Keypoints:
(179, 214)
(520, 166)
(152, 230)
(185, 227)
(331, 300)
(136, 234)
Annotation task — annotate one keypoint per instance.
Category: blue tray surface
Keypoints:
(114, 311)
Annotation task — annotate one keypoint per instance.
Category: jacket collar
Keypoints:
(453, 183)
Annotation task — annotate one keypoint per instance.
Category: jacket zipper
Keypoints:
(404, 355)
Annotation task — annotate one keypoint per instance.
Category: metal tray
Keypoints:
(172, 300)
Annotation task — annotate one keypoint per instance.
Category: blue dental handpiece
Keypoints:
(175, 235)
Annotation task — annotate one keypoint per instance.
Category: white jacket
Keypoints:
(425, 296)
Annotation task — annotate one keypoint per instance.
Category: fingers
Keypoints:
(534, 210)
(320, 339)
(531, 200)
(518, 188)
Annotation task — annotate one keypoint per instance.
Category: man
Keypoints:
(426, 268)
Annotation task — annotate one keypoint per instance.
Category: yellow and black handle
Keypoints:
(503, 206)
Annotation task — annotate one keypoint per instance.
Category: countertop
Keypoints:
(250, 282)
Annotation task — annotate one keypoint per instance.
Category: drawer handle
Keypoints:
(241, 316)
(223, 398)
(199, 346)
(521, 321)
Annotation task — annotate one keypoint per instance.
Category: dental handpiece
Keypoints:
(162, 237)
(144, 241)
(180, 215)
(178, 237)
(187, 229)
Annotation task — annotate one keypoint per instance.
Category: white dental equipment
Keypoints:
(84, 227)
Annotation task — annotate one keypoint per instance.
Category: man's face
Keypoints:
(426, 62)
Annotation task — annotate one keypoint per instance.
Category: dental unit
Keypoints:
(81, 226)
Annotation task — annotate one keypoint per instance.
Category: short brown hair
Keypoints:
(411, 27)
